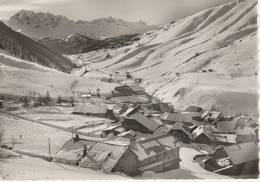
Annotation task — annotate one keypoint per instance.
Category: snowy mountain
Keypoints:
(207, 59)
(24, 47)
(42, 25)
(77, 43)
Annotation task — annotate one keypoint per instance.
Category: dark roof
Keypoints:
(182, 127)
(193, 109)
(146, 122)
(241, 153)
(178, 117)
(123, 87)
(137, 88)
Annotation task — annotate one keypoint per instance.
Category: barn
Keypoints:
(138, 122)
(237, 159)
(97, 110)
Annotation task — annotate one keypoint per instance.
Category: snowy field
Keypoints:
(35, 140)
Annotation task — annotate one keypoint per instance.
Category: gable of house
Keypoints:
(181, 127)
(202, 131)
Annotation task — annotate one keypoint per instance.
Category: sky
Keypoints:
(151, 11)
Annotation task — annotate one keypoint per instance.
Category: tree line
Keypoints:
(33, 98)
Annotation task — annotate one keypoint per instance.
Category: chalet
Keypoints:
(235, 159)
(194, 112)
(71, 152)
(231, 124)
(194, 109)
(239, 135)
(158, 154)
(97, 110)
(138, 122)
(172, 118)
(226, 125)
(98, 154)
(162, 107)
(180, 131)
(112, 157)
(122, 91)
(203, 134)
(136, 89)
(126, 112)
(211, 116)
(224, 138)
(246, 121)
(246, 134)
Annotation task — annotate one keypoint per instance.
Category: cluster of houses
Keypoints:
(147, 137)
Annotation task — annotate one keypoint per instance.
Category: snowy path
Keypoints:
(27, 168)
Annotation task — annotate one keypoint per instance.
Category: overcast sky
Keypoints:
(151, 11)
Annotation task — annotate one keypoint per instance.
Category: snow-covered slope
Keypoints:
(173, 60)
(18, 77)
(42, 25)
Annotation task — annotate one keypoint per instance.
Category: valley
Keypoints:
(111, 99)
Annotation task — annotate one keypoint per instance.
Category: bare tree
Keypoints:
(59, 100)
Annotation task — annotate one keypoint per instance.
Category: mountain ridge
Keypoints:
(42, 25)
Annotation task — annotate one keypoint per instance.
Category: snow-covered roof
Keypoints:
(130, 132)
(244, 152)
(146, 122)
(178, 117)
(149, 147)
(245, 131)
(227, 126)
